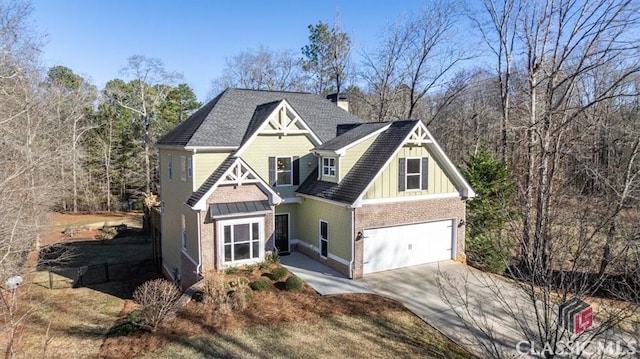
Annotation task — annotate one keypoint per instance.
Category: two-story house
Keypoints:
(256, 170)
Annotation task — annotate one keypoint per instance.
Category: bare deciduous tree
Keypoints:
(150, 83)
(262, 69)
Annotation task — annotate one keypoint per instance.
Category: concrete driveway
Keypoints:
(450, 296)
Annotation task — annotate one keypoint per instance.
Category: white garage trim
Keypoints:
(406, 245)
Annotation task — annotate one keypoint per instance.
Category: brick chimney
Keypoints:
(340, 99)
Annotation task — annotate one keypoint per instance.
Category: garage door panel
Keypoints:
(407, 245)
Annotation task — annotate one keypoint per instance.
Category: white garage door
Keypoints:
(407, 245)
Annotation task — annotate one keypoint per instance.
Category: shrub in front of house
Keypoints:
(158, 299)
(293, 283)
(279, 273)
(214, 290)
(241, 294)
(261, 284)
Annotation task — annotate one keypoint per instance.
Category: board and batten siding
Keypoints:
(205, 163)
(264, 146)
(338, 219)
(174, 193)
(386, 185)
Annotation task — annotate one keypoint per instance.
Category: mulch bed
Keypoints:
(274, 306)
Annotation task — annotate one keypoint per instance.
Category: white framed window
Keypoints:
(189, 168)
(329, 166)
(184, 232)
(183, 168)
(170, 167)
(241, 240)
(324, 238)
(413, 176)
(284, 171)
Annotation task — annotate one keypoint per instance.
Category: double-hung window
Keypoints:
(413, 174)
(329, 166)
(284, 171)
(170, 167)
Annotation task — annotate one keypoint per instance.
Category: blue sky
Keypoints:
(94, 38)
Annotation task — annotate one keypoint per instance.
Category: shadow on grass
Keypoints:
(116, 266)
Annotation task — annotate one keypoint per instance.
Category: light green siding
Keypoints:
(386, 185)
(204, 165)
(192, 232)
(338, 219)
(264, 146)
(174, 193)
(292, 209)
(353, 155)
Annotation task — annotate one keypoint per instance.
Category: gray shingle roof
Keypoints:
(225, 120)
(364, 171)
(224, 209)
(351, 136)
(260, 115)
(210, 181)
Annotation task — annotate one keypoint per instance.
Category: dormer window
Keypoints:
(329, 166)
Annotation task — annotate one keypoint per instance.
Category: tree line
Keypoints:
(546, 127)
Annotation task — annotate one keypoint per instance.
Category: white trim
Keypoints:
(334, 167)
(288, 214)
(406, 172)
(410, 198)
(297, 119)
(467, 191)
(290, 171)
(320, 238)
(345, 205)
(291, 200)
(195, 149)
(343, 150)
(274, 198)
(199, 267)
(337, 259)
(232, 222)
(189, 258)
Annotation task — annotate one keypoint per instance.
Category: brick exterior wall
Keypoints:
(209, 235)
(389, 214)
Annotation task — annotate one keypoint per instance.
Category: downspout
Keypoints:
(353, 242)
(199, 267)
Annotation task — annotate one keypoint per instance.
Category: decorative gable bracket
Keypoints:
(284, 121)
(238, 175)
(419, 136)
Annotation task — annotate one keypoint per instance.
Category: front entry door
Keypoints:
(282, 232)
